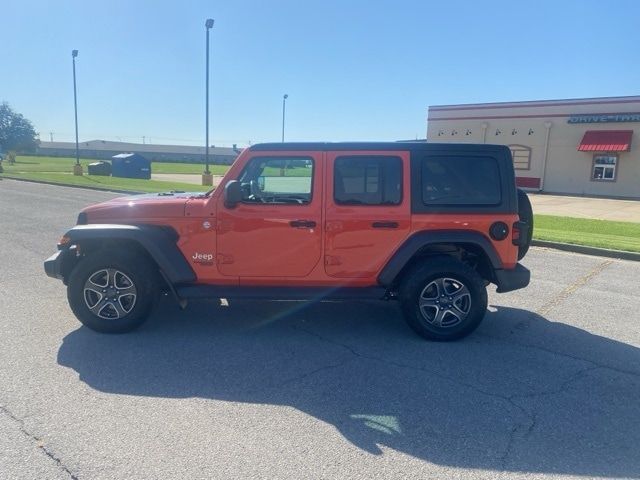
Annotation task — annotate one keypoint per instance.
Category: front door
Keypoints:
(368, 211)
(276, 231)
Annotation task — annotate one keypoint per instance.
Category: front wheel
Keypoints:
(112, 292)
(443, 299)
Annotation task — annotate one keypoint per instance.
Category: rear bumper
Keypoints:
(513, 279)
(53, 265)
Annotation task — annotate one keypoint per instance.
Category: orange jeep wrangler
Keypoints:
(429, 225)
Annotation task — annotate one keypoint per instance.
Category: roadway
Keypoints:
(548, 386)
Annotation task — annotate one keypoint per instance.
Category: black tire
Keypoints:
(458, 317)
(525, 212)
(131, 279)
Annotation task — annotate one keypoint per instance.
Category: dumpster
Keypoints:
(99, 168)
(130, 165)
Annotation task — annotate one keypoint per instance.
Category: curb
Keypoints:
(84, 187)
(595, 251)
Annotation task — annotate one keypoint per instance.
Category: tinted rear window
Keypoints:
(460, 180)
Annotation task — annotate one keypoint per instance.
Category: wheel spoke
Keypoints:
(120, 280)
(437, 319)
(111, 276)
(458, 314)
(127, 302)
(100, 279)
(463, 291)
(462, 301)
(92, 297)
(427, 302)
(121, 312)
(97, 308)
(123, 292)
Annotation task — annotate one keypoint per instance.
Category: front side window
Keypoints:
(283, 180)
(604, 168)
(367, 180)
(460, 180)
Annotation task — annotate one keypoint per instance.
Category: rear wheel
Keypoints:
(443, 299)
(112, 292)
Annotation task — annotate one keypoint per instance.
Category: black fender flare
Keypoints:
(158, 241)
(415, 242)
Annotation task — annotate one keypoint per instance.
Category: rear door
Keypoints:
(367, 210)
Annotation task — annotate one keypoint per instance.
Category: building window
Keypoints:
(604, 167)
(521, 157)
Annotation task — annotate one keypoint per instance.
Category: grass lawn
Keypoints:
(59, 169)
(107, 183)
(65, 165)
(593, 233)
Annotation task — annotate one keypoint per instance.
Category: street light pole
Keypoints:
(207, 178)
(77, 168)
(284, 104)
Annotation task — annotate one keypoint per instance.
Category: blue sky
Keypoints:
(354, 70)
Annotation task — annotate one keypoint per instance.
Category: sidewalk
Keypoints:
(586, 207)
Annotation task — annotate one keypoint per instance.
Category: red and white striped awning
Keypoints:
(606, 141)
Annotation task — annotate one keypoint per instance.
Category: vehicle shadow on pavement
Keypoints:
(521, 394)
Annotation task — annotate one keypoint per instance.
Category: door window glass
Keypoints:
(367, 180)
(283, 180)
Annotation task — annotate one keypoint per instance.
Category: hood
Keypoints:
(145, 206)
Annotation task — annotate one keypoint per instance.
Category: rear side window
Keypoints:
(460, 180)
(367, 180)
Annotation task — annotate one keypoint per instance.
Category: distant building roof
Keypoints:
(140, 147)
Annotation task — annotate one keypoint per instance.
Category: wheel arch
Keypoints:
(452, 243)
(157, 243)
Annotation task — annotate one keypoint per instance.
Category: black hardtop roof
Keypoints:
(403, 145)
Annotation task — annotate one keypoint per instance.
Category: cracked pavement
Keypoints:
(548, 387)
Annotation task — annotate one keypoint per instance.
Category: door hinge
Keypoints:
(333, 226)
(221, 258)
(332, 260)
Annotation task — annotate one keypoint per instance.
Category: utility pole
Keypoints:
(77, 168)
(207, 178)
(51, 136)
(284, 105)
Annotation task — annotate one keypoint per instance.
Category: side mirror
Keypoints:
(232, 194)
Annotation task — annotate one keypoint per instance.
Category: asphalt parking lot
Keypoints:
(549, 385)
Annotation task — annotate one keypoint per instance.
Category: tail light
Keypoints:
(520, 233)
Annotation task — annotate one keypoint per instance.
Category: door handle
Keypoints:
(384, 224)
(302, 223)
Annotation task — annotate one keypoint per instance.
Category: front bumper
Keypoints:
(53, 265)
(513, 279)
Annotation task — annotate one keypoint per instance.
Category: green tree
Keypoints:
(16, 132)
